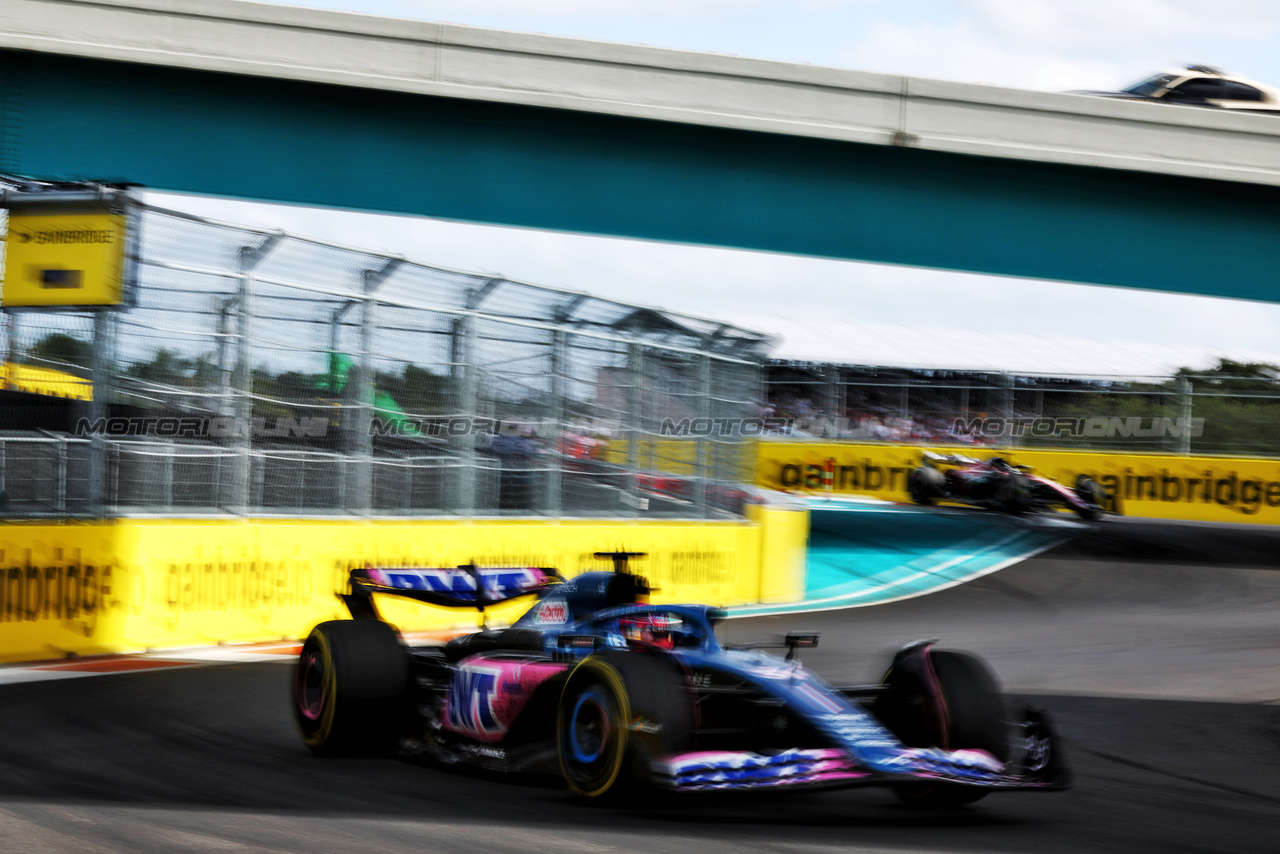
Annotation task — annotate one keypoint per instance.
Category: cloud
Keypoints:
(964, 51)
(1095, 26)
(1052, 45)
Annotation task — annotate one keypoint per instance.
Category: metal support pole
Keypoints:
(704, 443)
(101, 370)
(358, 476)
(834, 404)
(559, 391)
(240, 498)
(1186, 393)
(10, 326)
(226, 370)
(360, 468)
(631, 426)
(1006, 409)
(60, 475)
(172, 450)
(464, 404)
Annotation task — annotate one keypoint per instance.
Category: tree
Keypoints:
(58, 349)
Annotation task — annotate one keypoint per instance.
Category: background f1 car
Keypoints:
(997, 484)
(611, 693)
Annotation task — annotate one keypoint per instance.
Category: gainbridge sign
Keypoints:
(1155, 486)
(129, 584)
(56, 258)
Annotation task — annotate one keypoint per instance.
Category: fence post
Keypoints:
(60, 476)
(703, 482)
(1007, 410)
(241, 497)
(835, 400)
(1185, 394)
(357, 474)
(464, 404)
(559, 391)
(635, 378)
(101, 371)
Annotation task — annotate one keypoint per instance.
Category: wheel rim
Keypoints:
(589, 727)
(312, 685)
(591, 734)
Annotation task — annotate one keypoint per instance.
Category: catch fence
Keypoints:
(1232, 410)
(261, 373)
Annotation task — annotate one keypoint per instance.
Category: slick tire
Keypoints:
(1092, 492)
(964, 708)
(350, 689)
(618, 713)
(925, 485)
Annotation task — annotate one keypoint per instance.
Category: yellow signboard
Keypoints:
(128, 584)
(1153, 486)
(64, 259)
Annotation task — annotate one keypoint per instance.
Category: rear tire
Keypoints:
(964, 709)
(350, 689)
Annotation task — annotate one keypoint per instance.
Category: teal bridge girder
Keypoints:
(312, 143)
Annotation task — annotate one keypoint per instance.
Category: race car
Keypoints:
(617, 696)
(997, 484)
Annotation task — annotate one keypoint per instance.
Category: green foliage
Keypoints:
(1239, 402)
(168, 367)
(58, 349)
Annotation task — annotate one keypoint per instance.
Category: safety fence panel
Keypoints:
(1233, 409)
(262, 373)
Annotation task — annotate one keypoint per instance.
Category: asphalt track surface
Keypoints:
(1156, 647)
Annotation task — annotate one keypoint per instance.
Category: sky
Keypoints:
(1049, 45)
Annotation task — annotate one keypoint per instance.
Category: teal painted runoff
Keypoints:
(871, 553)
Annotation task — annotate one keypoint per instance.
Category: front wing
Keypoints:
(1038, 764)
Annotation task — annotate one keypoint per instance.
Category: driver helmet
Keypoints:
(653, 629)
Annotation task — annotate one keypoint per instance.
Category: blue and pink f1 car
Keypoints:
(614, 693)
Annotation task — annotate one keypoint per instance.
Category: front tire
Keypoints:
(349, 690)
(925, 485)
(944, 699)
(1091, 492)
(591, 728)
(618, 714)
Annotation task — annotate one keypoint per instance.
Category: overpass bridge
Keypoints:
(351, 111)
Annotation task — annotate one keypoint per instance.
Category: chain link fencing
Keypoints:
(1231, 410)
(261, 373)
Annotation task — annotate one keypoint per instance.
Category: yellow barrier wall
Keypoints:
(131, 584)
(1218, 489)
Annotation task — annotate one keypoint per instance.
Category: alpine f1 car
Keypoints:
(997, 484)
(619, 695)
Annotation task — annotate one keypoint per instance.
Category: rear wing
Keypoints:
(931, 458)
(465, 586)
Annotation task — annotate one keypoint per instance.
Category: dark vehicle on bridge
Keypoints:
(1200, 86)
(617, 695)
(997, 484)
